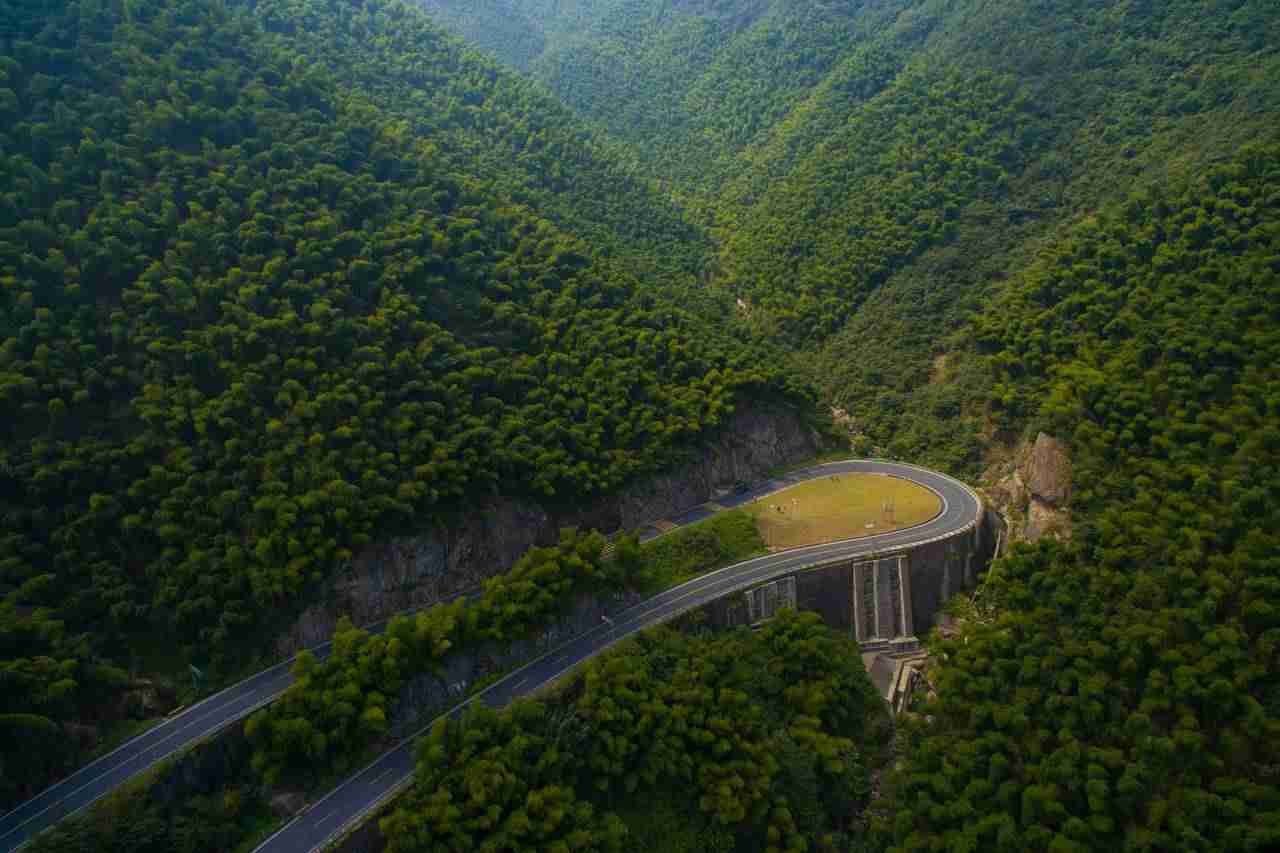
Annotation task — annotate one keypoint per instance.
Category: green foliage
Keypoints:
(668, 822)
(514, 34)
(498, 782)
(743, 724)
(687, 552)
(45, 676)
(131, 822)
(1123, 96)
(544, 582)
(505, 137)
(1127, 694)
(278, 278)
(872, 172)
(338, 707)
(901, 169)
(690, 84)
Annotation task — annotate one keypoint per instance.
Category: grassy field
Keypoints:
(841, 507)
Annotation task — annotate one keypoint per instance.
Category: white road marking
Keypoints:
(230, 708)
(329, 816)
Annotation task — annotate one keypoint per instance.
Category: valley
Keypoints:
(314, 312)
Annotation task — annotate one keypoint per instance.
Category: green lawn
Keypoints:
(842, 506)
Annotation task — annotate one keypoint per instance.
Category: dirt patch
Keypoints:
(938, 371)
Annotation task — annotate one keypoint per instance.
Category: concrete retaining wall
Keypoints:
(417, 571)
(881, 597)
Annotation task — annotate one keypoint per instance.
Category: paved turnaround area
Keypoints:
(361, 793)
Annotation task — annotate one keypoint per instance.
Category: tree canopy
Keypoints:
(774, 735)
(256, 311)
(1126, 694)
(872, 173)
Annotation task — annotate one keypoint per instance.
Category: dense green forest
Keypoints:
(978, 220)
(507, 136)
(773, 735)
(690, 84)
(279, 278)
(339, 709)
(338, 706)
(255, 313)
(1125, 694)
(872, 172)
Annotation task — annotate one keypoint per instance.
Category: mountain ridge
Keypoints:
(252, 317)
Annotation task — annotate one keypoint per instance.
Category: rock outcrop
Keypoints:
(1047, 471)
(416, 571)
(1032, 489)
(203, 769)
(286, 804)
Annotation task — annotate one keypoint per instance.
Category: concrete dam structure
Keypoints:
(886, 599)
(885, 588)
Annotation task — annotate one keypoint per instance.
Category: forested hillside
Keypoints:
(871, 171)
(1056, 109)
(1123, 691)
(972, 221)
(740, 741)
(281, 277)
(265, 296)
(507, 136)
(690, 84)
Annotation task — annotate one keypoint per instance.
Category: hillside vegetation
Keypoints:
(281, 277)
(871, 172)
(690, 84)
(972, 221)
(1124, 693)
(773, 735)
(255, 313)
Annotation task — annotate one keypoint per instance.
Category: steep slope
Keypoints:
(984, 219)
(872, 170)
(1123, 692)
(1096, 100)
(689, 84)
(513, 33)
(507, 136)
(256, 310)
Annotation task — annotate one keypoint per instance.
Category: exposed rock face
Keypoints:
(1032, 490)
(145, 699)
(1044, 519)
(1009, 492)
(84, 735)
(1047, 471)
(206, 768)
(286, 804)
(388, 577)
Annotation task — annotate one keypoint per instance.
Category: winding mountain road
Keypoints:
(360, 794)
(357, 797)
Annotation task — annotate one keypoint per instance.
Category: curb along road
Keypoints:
(348, 805)
(360, 794)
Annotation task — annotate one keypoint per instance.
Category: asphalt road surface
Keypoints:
(371, 786)
(167, 738)
(353, 801)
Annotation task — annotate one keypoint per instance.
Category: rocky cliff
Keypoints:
(1032, 488)
(448, 558)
